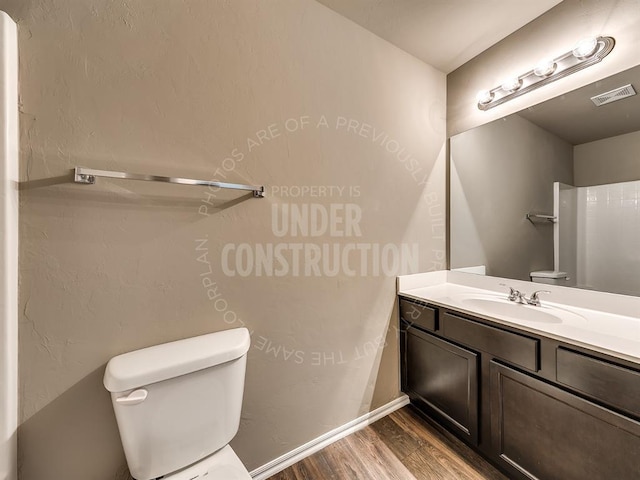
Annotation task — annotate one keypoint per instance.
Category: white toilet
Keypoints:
(178, 406)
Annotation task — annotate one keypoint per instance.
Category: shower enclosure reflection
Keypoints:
(597, 242)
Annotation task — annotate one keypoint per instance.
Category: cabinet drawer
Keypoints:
(512, 347)
(419, 315)
(613, 384)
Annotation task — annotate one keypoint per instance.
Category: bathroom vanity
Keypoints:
(549, 392)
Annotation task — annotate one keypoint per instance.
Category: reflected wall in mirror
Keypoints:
(567, 159)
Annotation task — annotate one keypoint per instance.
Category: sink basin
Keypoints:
(503, 308)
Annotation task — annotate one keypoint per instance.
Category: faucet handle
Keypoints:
(513, 293)
(538, 292)
(534, 300)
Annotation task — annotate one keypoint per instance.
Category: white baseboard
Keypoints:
(309, 448)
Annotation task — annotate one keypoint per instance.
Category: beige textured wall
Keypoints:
(551, 34)
(175, 88)
(499, 173)
(610, 160)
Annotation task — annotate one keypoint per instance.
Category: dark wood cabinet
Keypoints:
(443, 379)
(537, 407)
(543, 432)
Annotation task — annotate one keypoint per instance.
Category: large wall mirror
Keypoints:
(555, 189)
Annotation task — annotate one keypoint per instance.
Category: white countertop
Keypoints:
(612, 327)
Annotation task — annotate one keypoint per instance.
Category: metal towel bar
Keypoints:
(533, 216)
(88, 176)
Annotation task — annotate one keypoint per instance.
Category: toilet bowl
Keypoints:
(222, 465)
(178, 406)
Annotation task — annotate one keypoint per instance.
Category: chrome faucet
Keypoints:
(515, 295)
(519, 297)
(533, 299)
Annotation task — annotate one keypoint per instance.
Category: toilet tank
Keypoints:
(178, 402)
(550, 277)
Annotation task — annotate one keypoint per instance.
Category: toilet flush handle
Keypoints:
(134, 398)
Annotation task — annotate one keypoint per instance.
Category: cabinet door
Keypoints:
(543, 432)
(442, 380)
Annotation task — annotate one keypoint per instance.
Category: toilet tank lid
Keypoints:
(549, 274)
(169, 360)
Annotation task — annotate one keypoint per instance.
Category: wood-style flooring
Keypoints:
(401, 446)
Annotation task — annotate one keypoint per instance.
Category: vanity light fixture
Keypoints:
(545, 67)
(484, 96)
(511, 84)
(585, 53)
(585, 48)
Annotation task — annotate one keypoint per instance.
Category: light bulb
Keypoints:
(585, 48)
(545, 67)
(511, 84)
(484, 97)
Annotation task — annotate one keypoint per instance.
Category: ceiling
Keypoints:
(443, 33)
(577, 120)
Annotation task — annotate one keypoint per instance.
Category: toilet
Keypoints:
(178, 406)
(550, 277)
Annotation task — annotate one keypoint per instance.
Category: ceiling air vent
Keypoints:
(613, 95)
